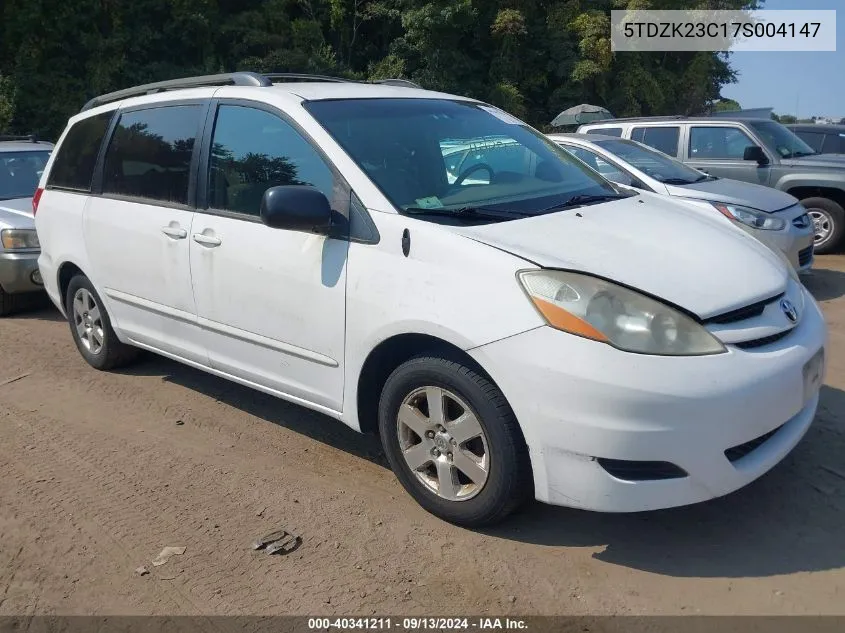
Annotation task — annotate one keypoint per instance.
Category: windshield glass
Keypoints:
(20, 173)
(782, 140)
(653, 163)
(451, 155)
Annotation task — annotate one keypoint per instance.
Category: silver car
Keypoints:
(22, 161)
(775, 218)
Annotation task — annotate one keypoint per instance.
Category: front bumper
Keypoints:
(19, 272)
(796, 243)
(578, 400)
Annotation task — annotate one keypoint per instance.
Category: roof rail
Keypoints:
(26, 137)
(397, 82)
(673, 117)
(304, 77)
(225, 79)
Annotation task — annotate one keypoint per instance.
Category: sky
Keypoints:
(804, 84)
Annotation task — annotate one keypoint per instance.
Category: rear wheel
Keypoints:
(453, 441)
(828, 222)
(91, 327)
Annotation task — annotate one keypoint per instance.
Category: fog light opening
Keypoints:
(35, 278)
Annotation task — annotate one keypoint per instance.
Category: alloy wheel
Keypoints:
(88, 320)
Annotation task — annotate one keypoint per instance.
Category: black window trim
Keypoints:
(202, 181)
(97, 183)
(94, 176)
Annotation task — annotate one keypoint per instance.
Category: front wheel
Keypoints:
(828, 223)
(453, 441)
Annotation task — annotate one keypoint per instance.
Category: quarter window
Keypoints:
(718, 143)
(74, 164)
(149, 155)
(663, 139)
(253, 150)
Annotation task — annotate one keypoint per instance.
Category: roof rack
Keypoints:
(26, 137)
(225, 79)
(258, 80)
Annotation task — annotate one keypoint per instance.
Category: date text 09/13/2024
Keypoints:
(416, 623)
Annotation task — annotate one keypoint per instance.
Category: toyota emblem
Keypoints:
(789, 310)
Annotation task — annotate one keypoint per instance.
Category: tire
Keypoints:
(829, 221)
(8, 303)
(500, 466)
(91, 327)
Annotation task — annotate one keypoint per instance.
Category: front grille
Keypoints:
(802, 221)
(738, 452)
(641, 471)
(741, 314)
(805, 255)
(766, 340)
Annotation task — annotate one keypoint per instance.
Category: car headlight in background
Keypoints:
(609, 313)
(750, 217)
(15, 239)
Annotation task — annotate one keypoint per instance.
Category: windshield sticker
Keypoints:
(501, 115)
(432, 202)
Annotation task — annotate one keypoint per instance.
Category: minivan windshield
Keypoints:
(20, 173)
(448, 156)
(654, 164)
(781, 139)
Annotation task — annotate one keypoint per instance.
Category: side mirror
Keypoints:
(755, 153)
(296, 208)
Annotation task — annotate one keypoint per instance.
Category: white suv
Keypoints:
(511, 323)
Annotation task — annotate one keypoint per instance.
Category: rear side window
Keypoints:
(74, 165)
(607, 131)
(663, 139)
(149, 155)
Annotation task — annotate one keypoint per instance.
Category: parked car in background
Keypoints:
(512, 327)
(759, 151)
(825, 139)
(22, 161)
(773, 217)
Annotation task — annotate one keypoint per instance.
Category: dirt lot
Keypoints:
(100, 471)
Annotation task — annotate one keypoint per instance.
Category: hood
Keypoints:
(735, 192)
(650, 243)
(832, 161)
(17, 213)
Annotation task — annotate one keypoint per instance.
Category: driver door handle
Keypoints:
(206, 240)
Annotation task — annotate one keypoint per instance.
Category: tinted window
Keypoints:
(254, 150)
(149, 155)
(74, 164)
(718, 142)
(813, 139)
(663, 139)
(607, 131)
(655, 164)
(20, 172)
(609, 171)
(833, 144)
(780, 139)
(400, 144)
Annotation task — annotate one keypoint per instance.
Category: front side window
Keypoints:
(149, 155)
(663, 139)
(253, 150)
(20, 173)
(443, 154)
(711, 142)
(74, 165)
(814, 139)
(654, 164)
(781, 139)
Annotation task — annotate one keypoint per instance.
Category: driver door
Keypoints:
(718, 151)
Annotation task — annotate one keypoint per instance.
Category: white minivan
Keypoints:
(520, 328)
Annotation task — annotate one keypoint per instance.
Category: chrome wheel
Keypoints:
(822, 225)
(443, 443)
(88, 321)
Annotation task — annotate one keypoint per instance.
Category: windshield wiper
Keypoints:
(471, 213)
(584, 199)
(677, 181)
(800, 154)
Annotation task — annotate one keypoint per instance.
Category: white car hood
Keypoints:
(651, 243)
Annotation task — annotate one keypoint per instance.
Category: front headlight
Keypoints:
(14, 239)
(609, 313)
(750, 217)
